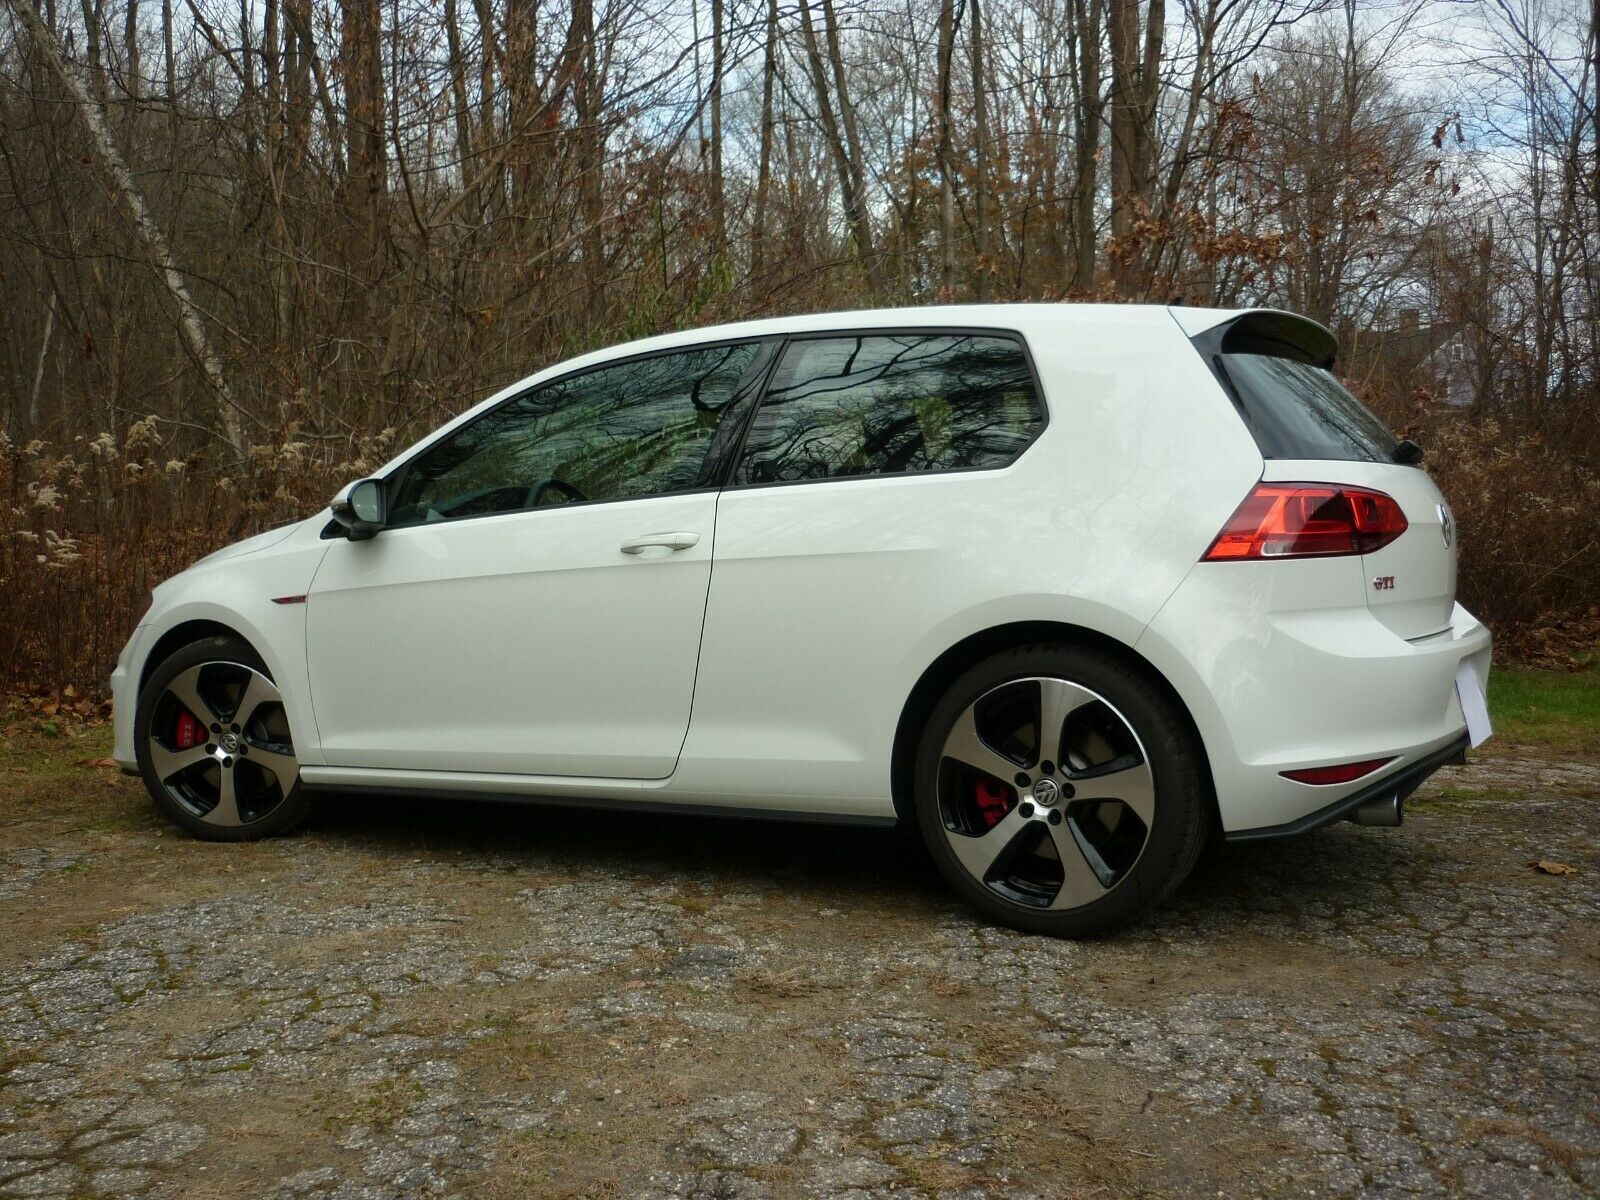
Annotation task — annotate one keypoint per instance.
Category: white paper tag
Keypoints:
(1473, 707)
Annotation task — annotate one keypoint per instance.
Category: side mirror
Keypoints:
(360, 508)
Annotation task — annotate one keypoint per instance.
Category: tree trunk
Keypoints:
(587, 96)
(719, 219)
(1089, 115)
(980, 160)
(846, 164)
(528, 141)
(299, 14)
(769, 76)
(365, 141)
(461, 105)
(130, 52)
(1135, 85)
(949, 17)
(122, 181)
(488, 136)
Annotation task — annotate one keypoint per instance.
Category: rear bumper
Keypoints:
(1399, 784)
(1277, 681)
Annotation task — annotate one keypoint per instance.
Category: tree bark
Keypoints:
(1135, 86)
(190, 321)
(366, 145)
(769, 76)
(980, 160)
(130, 53)
(588, 93)
(461, 105)
(719, 218)
(949, 18)
(1090, 113)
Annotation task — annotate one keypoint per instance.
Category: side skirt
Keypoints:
(609, 804)
(616, 795)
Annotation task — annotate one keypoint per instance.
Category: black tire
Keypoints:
(1182, 809)
(284, 815)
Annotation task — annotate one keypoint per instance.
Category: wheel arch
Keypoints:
(944, 670)
(185, 633)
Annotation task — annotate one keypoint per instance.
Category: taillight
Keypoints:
(1307, 520)
(1343, 773)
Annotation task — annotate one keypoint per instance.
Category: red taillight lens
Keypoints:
(1307, 520)
(1343, 773)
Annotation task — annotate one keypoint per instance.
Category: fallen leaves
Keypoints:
(1547, 866)
(107, 763)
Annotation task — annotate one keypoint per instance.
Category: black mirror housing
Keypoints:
(361, 509)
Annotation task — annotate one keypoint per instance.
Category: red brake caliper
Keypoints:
(189, 732)
(994, 801)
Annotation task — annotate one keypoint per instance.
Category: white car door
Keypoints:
(534, 603)
(871, 501)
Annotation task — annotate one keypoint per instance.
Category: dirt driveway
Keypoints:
(487, 1001)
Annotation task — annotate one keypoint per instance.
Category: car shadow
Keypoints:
(1256, 884)
(730, 851)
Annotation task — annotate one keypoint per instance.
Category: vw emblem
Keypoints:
(229, 743)
(1046, 793)
(1447, 525)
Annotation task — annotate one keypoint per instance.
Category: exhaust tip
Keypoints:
(1385, 812)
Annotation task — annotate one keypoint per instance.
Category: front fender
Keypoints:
(254, 595)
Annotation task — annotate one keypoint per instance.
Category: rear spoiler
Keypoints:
(1258, 331)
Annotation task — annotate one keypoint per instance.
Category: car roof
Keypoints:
(925, 316)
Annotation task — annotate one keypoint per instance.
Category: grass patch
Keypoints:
(45, 774)
(1558, 709)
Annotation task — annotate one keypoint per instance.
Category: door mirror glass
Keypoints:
(360, 509)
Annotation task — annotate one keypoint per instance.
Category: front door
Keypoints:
(534, 605)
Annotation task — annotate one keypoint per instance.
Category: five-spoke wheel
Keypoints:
(1046, 778)
(214, 743)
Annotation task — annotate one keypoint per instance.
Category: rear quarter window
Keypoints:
(890, 404)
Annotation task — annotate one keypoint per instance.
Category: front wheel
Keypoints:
(1060, 791)
(213, 744)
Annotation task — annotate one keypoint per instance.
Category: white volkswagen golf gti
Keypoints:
(1067, 587)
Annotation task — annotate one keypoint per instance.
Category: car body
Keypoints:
(770, 634)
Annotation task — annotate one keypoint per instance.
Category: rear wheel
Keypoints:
(1059, 790)
(213, 744)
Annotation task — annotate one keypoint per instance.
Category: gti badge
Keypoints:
(1447, 525)
(1383, 583)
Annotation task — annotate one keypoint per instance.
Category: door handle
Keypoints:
(668, 541)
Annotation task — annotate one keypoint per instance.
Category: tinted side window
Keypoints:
(889, 403)
(1296, 410)
(640, 428)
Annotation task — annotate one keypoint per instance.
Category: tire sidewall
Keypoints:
(1181, 809)
(219, 649)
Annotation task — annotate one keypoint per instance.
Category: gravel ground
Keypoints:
(486, 1001)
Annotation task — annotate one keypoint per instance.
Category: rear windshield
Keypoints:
(1296, 410)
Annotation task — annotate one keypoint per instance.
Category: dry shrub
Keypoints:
(1527, 516)
(89, 528)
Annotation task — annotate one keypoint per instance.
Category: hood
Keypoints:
(250, 544)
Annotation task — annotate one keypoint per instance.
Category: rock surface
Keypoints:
(486, 1001)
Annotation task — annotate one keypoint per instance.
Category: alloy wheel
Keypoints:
(219, 743)
(1046, 793)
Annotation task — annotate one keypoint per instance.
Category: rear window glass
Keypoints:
(1296, 410)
